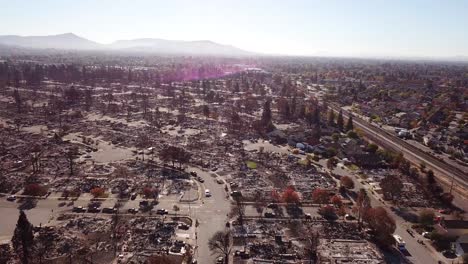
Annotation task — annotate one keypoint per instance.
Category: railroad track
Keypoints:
(444, 172)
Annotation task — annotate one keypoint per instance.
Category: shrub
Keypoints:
(98, 192)
(328, 212)
(347, 182)
(426, 217)
(35, 189)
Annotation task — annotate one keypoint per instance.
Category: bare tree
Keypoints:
(238, 210)
(35, 157)
(311, 244)
(362, 205)
(71, 155)
(220, 243)
(259, 202)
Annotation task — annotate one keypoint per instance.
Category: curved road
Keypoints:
(211, 214)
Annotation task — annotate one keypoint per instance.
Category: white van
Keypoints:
(207, 193)
(399, 242)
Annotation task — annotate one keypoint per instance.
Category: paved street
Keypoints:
(211, 215)
(417, 253)
(211, 212)
(443, 171)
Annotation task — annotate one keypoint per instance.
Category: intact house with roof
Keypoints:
(461, 245)
(452, 228)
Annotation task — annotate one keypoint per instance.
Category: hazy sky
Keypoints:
(297, 27)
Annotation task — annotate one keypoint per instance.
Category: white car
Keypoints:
(207, 193)
(426, 234)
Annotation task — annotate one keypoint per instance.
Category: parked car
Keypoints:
(94, 209)
(349, 217)
(11, 198)
(426, 234)
(242, 253)
(200, 179)
(133, 196)
(162, 211)
(236, 194)
(183, 226)
(207, 193)
(272, 206)
(133, 210)
(144, 203)
(193, 173)
(270, 215)
(78, 209)
(445, 211)
(109, 210)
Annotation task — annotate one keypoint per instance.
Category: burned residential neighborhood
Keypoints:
(180, 152)
(130, 164)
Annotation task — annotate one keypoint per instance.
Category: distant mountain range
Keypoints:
(70, 41)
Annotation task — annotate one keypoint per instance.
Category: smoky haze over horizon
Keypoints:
(365, 28)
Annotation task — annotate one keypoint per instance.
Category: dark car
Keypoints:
(235, 194)
(162, 211)
(94, 209)
(78, 209)
(242, 253)
(133, 210)
(109, 210)
(270, 215)
(193, 173)
(445, 211)
(183, 226)
(272, 206)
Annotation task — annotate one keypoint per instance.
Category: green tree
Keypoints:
(206, 111)
(430, 178)
(352, 134)
(23, 238)
(18, 100)
(331, 118)
(391, 186)
(372, 148)
(349, 124)
(176, 209)
(316, 115)
(335, 137)
(340, 121)
(426, 217)
(266, 114)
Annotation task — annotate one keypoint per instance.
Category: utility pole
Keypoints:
(451, 185)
